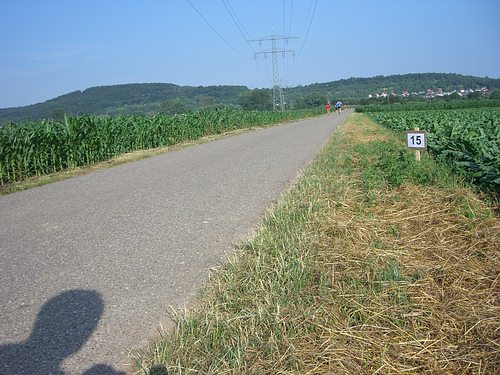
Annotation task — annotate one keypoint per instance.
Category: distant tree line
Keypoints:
(152, 98)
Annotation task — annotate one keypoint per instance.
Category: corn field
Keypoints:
(47, 146)
(467, 139)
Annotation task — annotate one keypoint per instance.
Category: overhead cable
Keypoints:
(215, 31)
(309, 27)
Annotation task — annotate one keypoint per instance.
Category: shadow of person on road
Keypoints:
(62, 327)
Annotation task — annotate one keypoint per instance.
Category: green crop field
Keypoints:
(428, 105)
(468, 139)
(372, 263)
(43, 147)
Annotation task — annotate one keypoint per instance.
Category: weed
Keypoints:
(361, 268)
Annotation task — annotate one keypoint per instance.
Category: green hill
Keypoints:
(132, 98)
(150, 98)
(356, 88)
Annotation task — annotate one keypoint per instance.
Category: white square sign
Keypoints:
(416, 139)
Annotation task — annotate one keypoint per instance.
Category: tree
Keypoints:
(173, 106)
(206, 101)
(311, 101)
(453, 96)
(259, 99)
(475, 95)
(58, 114)
(394, 98)
(495, 95)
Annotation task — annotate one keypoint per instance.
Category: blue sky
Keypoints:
(52, 47)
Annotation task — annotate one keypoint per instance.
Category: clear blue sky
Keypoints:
(52, 47)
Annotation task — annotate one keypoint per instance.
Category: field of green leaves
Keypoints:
(468, 139)
(428, 105)
(43, 147)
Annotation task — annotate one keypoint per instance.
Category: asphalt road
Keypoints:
(90, 265)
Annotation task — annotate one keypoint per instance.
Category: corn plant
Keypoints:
(42, 147)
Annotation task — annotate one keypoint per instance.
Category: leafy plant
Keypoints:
(47, 146)
(467, 139)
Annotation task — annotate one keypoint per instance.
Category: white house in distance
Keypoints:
(430, 93)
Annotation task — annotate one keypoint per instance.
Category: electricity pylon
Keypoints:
(278, 97)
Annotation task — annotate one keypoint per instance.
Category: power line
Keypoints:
(245, 32)
(284, 46)
(215, 31)
(290, 20)
(284, 22)
(221, 11)
(237, 23)
(286, 81)
(234, 19)
(285, 61)
(309, 27)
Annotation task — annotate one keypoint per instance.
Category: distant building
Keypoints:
(430, 93)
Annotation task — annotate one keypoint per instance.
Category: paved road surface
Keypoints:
(90, 265)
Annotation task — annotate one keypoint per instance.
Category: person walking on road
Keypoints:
(338, 107)
(328, 107)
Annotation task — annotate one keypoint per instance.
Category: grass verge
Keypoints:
(372, 263)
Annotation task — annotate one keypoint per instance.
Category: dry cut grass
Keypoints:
(415, 277)
(418, 286)
(359, 270)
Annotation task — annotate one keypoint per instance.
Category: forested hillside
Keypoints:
(151, 98)
(135, 98)
(356, 88)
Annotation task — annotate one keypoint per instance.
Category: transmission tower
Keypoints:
(278, 97)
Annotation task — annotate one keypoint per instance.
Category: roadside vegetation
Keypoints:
(49, 146)
(466, 139)
(372, 263)
(437, 104)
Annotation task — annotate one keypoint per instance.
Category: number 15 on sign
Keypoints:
(416, 139)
